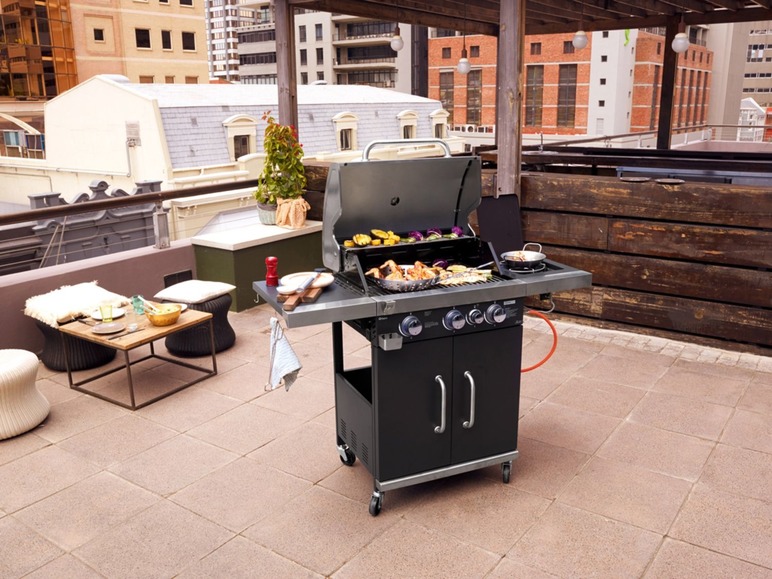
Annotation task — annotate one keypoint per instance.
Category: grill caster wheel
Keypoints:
(506, 471)
(376, 502)
(347, 457)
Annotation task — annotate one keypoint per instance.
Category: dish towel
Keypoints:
(284, 363)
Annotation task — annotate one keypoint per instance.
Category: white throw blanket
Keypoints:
(284, 363)
(69, 302)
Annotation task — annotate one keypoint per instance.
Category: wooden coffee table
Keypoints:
(127, 341)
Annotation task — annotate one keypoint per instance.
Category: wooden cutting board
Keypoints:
(293, 300)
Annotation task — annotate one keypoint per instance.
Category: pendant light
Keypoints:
(463, 66)
(680, 42)
(396, 41)
(580, 38)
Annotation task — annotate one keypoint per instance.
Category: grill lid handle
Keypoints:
(373, 144)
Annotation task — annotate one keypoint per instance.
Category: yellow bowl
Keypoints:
(166, 314)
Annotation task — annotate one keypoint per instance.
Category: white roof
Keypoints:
(200, 95)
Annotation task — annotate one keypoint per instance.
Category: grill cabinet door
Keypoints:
(407, 408)
(493, 360)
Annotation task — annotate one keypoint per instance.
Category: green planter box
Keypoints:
(237, 255)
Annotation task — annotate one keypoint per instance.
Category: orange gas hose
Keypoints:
(554, 340)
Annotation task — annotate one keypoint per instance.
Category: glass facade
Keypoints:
(37, 58)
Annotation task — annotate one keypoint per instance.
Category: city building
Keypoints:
(37, 50)
(224, 18)
(331, 48)
(160, 41)
(609, 87)
(179, 135)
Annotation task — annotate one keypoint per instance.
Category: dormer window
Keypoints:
(346, 131)
(408, 124)
(242, 135)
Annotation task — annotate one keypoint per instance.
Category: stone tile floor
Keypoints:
(639, 457)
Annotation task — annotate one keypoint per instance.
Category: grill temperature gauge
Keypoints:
(411, 326)
(495, 314)
(454, 320)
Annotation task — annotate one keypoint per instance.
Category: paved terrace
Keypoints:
(640, 457)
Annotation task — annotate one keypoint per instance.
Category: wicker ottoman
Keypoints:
(195, 342)
(83, 354)
(22, 406)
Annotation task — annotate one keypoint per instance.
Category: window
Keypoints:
(474, 97)
(566, 95)
(186, 2)
(142, 37)
(241, 133)
(241, 146)
(535, 48)
(568, 47)
(603, 81)
(439, 120)
(320, 56)
(320, 75)
(601, 103)
(654, 97)
(303, 78)
(169, 79)
(188, 41)
(603, 58)
(303, 57)
(445, 52)
(191, 80)
(143, 79)
(408, 124)
(166, 39)
(659, 48)
(446, 92)
(474, 51)
(605, 34)
(318, 31)
(345, 140)
(346, 129)
(301, 34)
(534, 94)
(163, 1)
(99, 35)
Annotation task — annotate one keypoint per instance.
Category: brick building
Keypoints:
(610, 87)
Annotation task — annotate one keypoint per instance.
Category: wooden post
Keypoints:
(669, 71)
(509, 96)
(285, 63)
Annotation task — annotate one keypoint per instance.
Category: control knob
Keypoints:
(495, 314)
(475, 317)
(454, 320)
(411, 326)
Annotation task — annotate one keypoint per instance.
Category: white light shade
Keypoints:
(463, 65)
(580, 39)
(680, 43)
(396, 41)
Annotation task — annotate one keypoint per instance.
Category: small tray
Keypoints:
(109, 328)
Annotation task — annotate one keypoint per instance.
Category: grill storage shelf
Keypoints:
(391, 415)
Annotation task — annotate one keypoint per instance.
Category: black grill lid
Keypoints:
(397, 195)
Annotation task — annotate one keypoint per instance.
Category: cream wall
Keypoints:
(84, 134)
(118, 53)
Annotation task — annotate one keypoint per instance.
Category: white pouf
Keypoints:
(22, 406)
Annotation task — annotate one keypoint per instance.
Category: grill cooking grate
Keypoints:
(351, 280)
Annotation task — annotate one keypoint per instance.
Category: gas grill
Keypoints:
(441, 395)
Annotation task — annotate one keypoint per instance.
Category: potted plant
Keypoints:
(283, 179)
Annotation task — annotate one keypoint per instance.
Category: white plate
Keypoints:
(117, 313)
(295, 279)
(108, 328)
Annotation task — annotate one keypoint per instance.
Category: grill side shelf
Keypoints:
(336, 304)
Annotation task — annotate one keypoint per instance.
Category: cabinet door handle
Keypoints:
(470, 423)
(443, 405)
